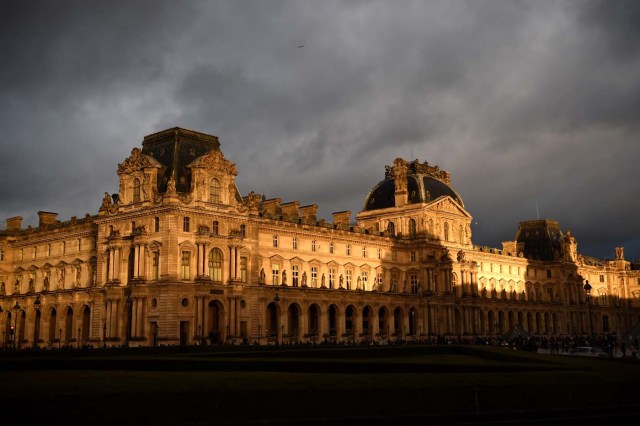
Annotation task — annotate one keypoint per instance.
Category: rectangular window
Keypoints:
(379, 281)
(601, 278)
(348, 275)
(79, 244)
(364, 252)
(48, 249)
(332, 277)
(394, 255)
(185, 224)
(294, 244)
(156, 265)
(185, 265)
(413, 256)
(35, 252)
(20, 254)
(294, 275)
(348, 249)
(275, 274)
(275, 241)
(414, 284)
(330, 248)
(1, 255)
(548, 273)
(215, 227)
(243, 230)
(314, 277)
(365, 278)
(156, 224)
(313, 245)
(243, 269)
(379, 254)
(64, 247)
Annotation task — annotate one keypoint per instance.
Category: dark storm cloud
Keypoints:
(526, 103)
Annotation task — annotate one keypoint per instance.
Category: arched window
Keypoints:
(215, 265)
(412, 228)
(391, 227)
(214, 191)
(136, 190)
(446, 231)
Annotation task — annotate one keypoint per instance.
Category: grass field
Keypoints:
(313, 385)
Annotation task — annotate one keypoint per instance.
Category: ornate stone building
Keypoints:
(180, 256)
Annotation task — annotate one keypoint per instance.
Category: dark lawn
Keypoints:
(367, 385)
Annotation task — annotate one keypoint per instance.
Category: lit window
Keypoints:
(275, 241)
(185, 264)
(414, 284)
(214, 191)
(294, 275)
(215, 265)
(412, 228)
(185, 224)
(136, 190)
(243, 269)
(391, 228)
(275, 274)
(294, 243)
(156, 265)
(313, 245)
(314, 277)
(348, 275)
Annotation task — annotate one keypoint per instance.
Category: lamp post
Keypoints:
(587, 290)
(427, 295)
(276, 301)
(16, 311)
(36, 332)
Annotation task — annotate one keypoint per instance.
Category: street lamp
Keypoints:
(427, 295)
(16, 310)
(36, 334)
(276, 300)
(587, 290)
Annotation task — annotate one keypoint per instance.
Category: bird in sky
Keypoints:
(301, 46)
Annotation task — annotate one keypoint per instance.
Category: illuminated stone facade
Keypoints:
(179, 256)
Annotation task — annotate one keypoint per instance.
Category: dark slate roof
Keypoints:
(175, 148)
(541, 238)
(382, 195)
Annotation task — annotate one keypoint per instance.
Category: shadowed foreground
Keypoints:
(315, 385)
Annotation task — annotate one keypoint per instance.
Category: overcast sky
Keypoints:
(532, 106)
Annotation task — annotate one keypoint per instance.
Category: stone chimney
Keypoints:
(290, 210)
(309, 213)
(14, 223)
(47, 218)
(341, 220)
(272, 207)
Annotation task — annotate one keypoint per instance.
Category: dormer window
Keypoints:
(214, 191)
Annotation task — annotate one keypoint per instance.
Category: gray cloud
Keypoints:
(525, 103)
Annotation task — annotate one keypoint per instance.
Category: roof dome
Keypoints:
(424, 184)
